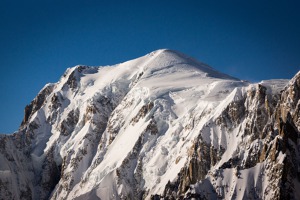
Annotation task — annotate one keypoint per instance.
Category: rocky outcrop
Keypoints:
(142, 112)
(67, 126)
(202, 157)
(50, 175)
(37, 103)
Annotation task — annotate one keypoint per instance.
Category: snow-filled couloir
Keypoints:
(160, 126)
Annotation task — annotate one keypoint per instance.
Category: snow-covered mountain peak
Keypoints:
(161, 125)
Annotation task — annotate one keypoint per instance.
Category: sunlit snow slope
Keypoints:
(160, 126)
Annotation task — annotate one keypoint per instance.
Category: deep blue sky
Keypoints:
(251, 40)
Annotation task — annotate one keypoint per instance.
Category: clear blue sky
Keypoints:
(251, 40)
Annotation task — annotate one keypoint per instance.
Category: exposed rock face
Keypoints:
(143, 112)
(161, 126)
(50, 176)
(37, 103)
(67, 126)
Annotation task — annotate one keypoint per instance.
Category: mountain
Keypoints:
(161, 126)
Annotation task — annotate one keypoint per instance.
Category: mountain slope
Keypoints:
(162, 125)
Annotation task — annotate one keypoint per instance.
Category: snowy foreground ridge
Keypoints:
(162, 126)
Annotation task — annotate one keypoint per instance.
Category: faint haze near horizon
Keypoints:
(39, 39)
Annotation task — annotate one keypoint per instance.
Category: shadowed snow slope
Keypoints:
(162, 125)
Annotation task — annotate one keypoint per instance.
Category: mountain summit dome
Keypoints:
(165, 58)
